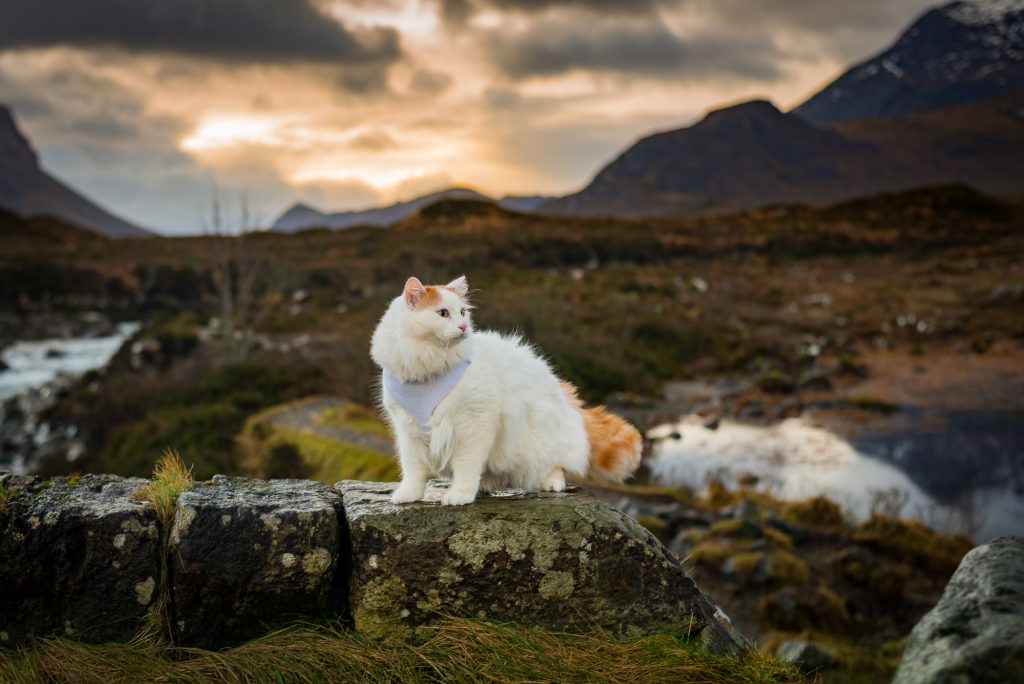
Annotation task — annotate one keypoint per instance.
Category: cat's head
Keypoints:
(437, 313)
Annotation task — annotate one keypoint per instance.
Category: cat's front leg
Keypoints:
(412, 455)
(467, 469)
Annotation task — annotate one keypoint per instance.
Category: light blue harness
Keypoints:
(421, 398)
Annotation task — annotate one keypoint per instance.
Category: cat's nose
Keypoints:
(462, 327)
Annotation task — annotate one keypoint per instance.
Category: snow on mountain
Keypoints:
(965, 51)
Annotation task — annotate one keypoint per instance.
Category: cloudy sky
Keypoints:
(148, 105)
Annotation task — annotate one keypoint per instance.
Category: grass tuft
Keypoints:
(170, 479)
(457, 650)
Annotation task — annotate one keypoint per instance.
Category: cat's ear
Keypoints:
(459, 285)
(413, 291)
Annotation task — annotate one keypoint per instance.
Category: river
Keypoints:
(35, 372)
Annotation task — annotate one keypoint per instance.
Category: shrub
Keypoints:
(818, 511)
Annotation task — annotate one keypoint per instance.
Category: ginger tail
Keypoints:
(615, 445)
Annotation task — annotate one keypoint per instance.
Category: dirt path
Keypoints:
(302, 416)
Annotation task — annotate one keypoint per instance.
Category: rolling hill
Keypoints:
(301, 216)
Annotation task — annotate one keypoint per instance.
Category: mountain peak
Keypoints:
(27, 190)
(756, 106)
(751, 110)
(982, 11)
(961, 52)
(13, 143)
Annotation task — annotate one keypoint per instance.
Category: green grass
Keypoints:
(331, 460)
(857, 664)
(354, 417)
(5, 496)
(458, 651)
(273, 451)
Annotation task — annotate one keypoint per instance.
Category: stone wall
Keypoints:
(86, 558)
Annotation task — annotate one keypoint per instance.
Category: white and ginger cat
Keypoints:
(484, 409)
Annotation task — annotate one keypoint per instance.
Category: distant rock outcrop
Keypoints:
(960, 52)
(27, 190)
(976, 632)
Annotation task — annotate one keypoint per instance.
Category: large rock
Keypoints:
(79, 558)
(245, 555)
(976, 631)
(558, 560)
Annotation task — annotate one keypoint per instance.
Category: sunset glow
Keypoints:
(226, 131)
(364, 103)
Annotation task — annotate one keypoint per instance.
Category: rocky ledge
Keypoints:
(559, 560)
(86, 557)
(976, 631)
(79, 558)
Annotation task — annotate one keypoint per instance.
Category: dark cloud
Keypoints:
(373, 141)
(644, 47)
(631, 7)
(230, 30)
(363, 79)
(429, 83)
(458, 12)
(844, 30)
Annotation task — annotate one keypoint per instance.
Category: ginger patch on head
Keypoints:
(430, 297)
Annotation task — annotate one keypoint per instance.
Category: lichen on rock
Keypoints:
(558, 560)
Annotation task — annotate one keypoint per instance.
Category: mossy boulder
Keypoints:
(558, 560)
(246, 555)
(79, 557)
(976, 631)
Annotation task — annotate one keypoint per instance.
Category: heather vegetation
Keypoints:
(792, 299)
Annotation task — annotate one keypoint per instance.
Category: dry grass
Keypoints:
(5, 496)
(459, 651)
(170, 479)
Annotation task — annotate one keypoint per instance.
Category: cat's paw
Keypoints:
(454, 497)
(555, 481)
(406, 495)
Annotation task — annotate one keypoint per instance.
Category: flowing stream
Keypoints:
(35, 372)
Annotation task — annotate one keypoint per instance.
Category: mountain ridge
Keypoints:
(960, 52)
(28, 190)
(301, 216)
(904, 122)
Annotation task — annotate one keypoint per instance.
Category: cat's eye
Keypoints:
(443, 313)
(463, 312)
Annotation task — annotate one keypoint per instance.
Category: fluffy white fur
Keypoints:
(507, 423)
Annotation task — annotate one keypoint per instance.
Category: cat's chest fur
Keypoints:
(438, 432)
